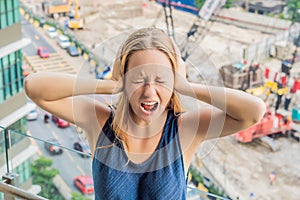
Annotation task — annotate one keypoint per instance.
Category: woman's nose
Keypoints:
(149, 89)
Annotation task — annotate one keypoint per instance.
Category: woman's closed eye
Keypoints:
(137, 81)
(160, 80)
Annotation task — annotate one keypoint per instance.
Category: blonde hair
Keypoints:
(145, 38)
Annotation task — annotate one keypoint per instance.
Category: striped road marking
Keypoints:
(55, 63)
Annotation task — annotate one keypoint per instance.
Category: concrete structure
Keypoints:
(265, 7)
(13, 102)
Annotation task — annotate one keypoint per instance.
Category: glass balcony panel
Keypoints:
(197, 194)
(35, 159)
(37, 156)
(3, 152)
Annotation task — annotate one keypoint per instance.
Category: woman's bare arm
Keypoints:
(62, 94)
(234, 110)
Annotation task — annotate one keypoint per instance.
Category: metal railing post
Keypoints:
(5, 132)
(9, 186)
(10, 179)
(6, 149)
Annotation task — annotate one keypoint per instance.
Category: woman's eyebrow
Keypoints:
(142, 73)
(139, 75)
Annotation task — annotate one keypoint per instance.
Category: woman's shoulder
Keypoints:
(104, 113)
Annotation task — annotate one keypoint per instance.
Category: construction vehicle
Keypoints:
(270, 125)
(199, 28)
(75, 22)
(56, 8)
(240, 76)
(270, 87)
(295, 133)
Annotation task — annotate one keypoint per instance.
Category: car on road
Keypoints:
(72, 50)
(32, 115)
(63, 41)
(83, 147)
(51, 148)
(60, 122)
(43, 52)
(84, 183)
(51, 32)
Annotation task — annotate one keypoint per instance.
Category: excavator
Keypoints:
(199, 28)
(75, 22)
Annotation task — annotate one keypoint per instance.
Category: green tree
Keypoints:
(78, 196)
(199, 3)
(43, 174)
(294, 10)
(229, 3)
(196, 175)
(214, 190)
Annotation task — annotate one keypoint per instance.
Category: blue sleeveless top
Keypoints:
(161, 176)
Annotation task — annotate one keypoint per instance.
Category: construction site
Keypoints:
(255, 58)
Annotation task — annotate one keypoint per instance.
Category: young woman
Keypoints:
(142, 149)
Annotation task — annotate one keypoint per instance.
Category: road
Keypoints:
(58, 61)
(70, 164)
(29, 31)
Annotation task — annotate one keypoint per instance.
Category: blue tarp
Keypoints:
(184, 5)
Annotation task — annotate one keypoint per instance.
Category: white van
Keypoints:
(51, 32)
(63, 41)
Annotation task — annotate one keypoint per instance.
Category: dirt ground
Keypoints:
(240, 169)
(245, 168)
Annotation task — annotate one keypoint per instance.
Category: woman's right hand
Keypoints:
(111, 86)
(118, 86)
(181, 85)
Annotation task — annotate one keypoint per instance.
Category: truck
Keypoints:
(272, 124)
(56, 8)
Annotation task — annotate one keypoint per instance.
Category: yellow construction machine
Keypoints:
(75, 22)
(269, 87)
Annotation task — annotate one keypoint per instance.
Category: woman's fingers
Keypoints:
(117, 86)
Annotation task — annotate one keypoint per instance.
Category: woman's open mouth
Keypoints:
(149, 106)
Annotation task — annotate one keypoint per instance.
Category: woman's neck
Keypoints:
(146, 131)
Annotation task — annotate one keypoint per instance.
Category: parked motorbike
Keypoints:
(46, 118)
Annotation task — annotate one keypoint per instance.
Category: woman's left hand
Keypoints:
(180, 75)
